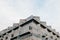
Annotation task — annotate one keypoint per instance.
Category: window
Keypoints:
(9, 31)
(46, 39)
(57, 36)
(43, 36)
(0, 35)
(12, 35)
(53, 33)
(6, 37)
(30, 28)
(14, 38)
(4, 34)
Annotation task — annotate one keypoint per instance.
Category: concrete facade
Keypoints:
(30, 28)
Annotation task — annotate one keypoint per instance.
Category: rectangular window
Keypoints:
(57, 36)
(0, 35)
(53, 33)
(12, 35)
(9, 31)
(30, 28)
(43, 36)
(6, 38)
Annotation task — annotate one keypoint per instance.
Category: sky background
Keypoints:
(11, 11)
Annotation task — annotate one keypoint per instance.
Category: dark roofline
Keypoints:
(29, 22)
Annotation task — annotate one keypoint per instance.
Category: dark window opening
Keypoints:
(42, 26)
(12, 35)
(46, 39)
(0, 36)
(53, 33)
(57, 36)
(9, 31)
(4, 34)
(43, 36)
(30, 28)
(48, 30)
(6, 37)
(13, 38)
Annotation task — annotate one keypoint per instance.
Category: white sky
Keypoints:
(11, 11)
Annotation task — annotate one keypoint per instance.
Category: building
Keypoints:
(30, 28)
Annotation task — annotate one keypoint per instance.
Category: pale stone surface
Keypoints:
(38, 31)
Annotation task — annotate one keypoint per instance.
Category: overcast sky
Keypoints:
(11, 11)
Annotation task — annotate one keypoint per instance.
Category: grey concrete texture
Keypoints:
(39, 30)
